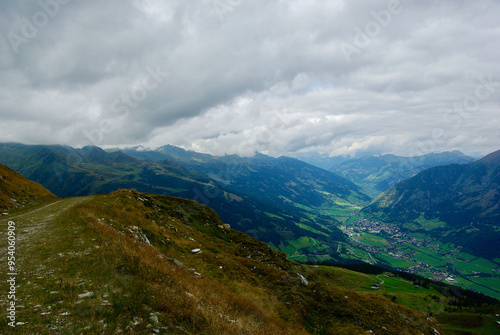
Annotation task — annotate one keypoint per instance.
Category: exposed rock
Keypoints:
(136, 321)
(303, 280)
(138, 234)
(179, 264)
(154, 318)
(86, 295)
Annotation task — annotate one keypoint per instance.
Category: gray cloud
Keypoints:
(280, 77)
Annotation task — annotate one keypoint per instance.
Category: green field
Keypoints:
(475, 324)
(373, 240)
(480, 265)
(340, 209)
(488, 281)
(303, 249)
(353, 219)
(395, 262)
(425, 255)
(429, 224)
(429, 259)
(274, 216)
(301, 242)
(289, 250)
(421, 299)
(470, 284)
(308, 228)
(467, 256)
(485, 264)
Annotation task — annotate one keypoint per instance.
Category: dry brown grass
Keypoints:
(236, 285)
(17, 191)
(188, 303)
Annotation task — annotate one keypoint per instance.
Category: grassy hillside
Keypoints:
(16, 191)
(473, 316)
(320, 199)
(138, 263)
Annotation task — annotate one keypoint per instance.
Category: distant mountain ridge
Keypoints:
(167, 152)
(323, 161)
(292, 180)
(261, 197)
(465, 196)
(376, 174)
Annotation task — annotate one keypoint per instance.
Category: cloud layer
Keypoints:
(237, 76)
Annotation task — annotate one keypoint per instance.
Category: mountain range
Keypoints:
(298, 208)
(375, 174)
(464, 196)
(282, 181)
(269, 198)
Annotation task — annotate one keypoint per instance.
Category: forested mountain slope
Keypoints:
(466, 197)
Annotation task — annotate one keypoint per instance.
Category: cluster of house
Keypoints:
(396, 239)
(373, 227)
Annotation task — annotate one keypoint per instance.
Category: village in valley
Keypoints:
(402, 249)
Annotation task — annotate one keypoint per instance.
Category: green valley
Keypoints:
(141, 263)
(310, 215)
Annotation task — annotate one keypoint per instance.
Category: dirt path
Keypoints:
(40, 234)
(31, 225)
(35, 221)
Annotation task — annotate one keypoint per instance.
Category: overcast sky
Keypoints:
(238, 76)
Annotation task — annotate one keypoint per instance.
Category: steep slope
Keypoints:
(323, 161)
(376, 174)
(465, 197)
(87, 171)
(283, 181)
(17, 191)
(140, 263)
(321, 199)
